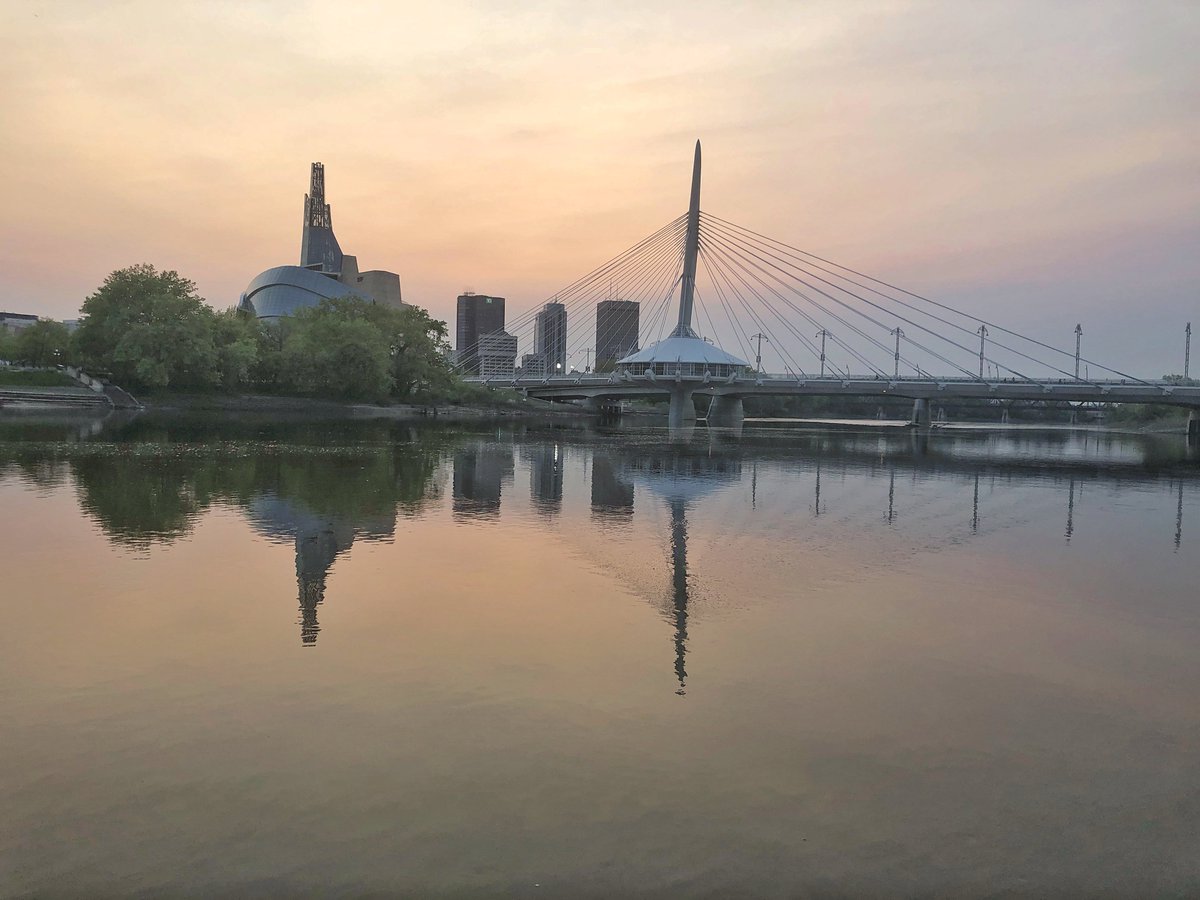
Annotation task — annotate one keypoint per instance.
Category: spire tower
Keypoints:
(691, 248)
(319, 248)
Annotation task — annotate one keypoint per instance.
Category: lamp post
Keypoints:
(1187, 349)
(760, 337)
(982, 338)
(822, 334)
(1079, 337)
(899, 333)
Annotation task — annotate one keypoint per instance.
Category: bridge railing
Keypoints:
(608, 377)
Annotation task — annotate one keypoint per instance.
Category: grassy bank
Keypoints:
(10, 377)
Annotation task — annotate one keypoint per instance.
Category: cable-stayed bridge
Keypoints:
(836, 332)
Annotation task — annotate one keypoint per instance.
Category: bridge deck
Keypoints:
(568, 387)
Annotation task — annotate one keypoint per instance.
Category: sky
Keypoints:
(1035, 163)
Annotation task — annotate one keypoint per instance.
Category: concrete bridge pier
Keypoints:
(920, 414)
(726, 412)
(1194, 426)
(683, 410)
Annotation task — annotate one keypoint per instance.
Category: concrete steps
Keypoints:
(52, 396)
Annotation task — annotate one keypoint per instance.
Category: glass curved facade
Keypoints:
(284, 290)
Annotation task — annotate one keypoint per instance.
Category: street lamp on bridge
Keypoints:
(899, 333)
(822, 334)
(1078, 341)
(760, 337)
(1187, 349)
(982, 338)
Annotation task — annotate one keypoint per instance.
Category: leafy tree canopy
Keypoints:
(327, 353)
(150, 329)
(44, 343)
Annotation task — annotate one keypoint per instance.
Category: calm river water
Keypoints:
(339, 658)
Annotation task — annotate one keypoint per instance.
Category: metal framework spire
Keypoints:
(316, 210)
(691, 246)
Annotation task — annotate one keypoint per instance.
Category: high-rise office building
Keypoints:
(478, 314)
(617, 324)
(551, 337)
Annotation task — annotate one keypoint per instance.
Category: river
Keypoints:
(290, 657)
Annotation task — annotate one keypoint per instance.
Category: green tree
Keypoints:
(416, 342)
(7, 345)
(329, 354)
(420, 363)
(44, 343)
(269, 356)
(237, 340)
(149, 329)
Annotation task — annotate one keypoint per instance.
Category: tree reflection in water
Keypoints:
(320, 498)
(323, 486)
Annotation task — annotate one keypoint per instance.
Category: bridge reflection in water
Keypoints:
(631, 501)
(681, 477)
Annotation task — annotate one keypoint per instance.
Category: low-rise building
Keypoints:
(497, 354)
(14, 322)
(533, 365)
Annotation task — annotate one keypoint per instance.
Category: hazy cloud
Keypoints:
(1037, 156)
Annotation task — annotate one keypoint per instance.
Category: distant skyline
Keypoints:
(1034, 163)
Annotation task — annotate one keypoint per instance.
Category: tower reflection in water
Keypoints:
(480, 471)
(679, 475)
(926, 493)
(547, 466)
(319, 540)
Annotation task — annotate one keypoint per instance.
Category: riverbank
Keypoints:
(266, 403)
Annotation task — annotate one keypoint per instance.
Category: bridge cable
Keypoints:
(970, 375)
(741, 262)
(771, 336)
(605, 270)
(937, 318)
(649, 271)
(733, 323)
(946, 307)
(723, 263)
(871, 319)
(780, 347)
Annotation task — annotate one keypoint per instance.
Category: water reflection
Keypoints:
(780, 662)
(1070, 510)
(480, 471)
(322, 487)
(547, 465)
(1179, 518)
(612, 493)
(681, 475)
(319, 539)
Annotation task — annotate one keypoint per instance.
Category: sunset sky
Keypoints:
(1037, 163)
